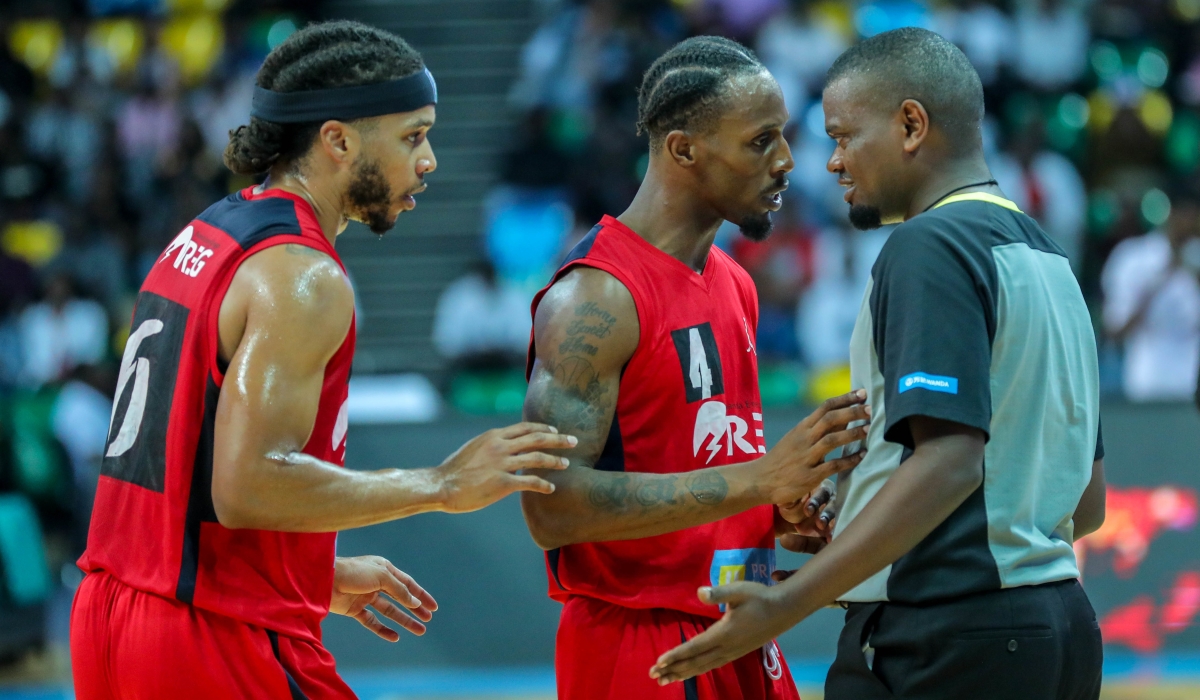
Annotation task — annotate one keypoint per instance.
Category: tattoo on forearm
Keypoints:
(708, 488)
(611, 492)
(656, 490)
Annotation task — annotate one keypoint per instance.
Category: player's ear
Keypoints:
(678, 146)
(339, 141)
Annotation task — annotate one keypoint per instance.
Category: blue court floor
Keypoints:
(1127, 677)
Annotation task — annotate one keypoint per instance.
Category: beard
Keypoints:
(370, 196)
(757, 227)
(864, 218)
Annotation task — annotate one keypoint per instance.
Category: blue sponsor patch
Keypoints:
(732, 565)
(932, 382)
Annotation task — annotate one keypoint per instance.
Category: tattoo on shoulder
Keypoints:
(579, 400)
(579, 376)
(578, 403)
(591, 321)
(307, 251)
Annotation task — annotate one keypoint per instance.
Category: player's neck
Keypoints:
(672, 221)
(950, 177)
(328, 209)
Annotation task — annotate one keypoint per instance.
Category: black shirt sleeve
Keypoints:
(1099, 440)
(933, 306)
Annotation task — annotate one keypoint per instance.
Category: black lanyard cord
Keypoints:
(941, 199)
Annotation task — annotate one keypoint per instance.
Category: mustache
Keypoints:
(780, 184)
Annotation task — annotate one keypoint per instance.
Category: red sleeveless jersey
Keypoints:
(153, 525)
(688, 399)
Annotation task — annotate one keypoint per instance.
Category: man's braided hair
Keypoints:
(685, 88)
(325, 55)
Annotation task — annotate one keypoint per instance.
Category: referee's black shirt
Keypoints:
(972, 315)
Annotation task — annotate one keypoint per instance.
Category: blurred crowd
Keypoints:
(1093, 129)
(114, 115)
(113, 118)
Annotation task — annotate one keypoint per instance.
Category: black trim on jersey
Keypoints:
(580, 251)
(552, 557)
(691, 688)
(293, 687)
(612, 457)
(712, 359)
(200, 507)
(143, 406)
(583, 247)
(250, 222)
(954, 558)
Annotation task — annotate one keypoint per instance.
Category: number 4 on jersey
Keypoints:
(700, 362)
(701, 374)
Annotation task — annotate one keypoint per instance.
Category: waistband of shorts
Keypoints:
(1050, 585)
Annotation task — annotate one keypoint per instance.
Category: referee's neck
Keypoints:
(949, 178)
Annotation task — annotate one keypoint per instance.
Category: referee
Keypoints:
(953, 549)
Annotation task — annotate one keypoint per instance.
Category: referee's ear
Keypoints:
(915, 120)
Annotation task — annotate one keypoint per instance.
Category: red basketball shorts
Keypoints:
(130, 645)
(605, 652)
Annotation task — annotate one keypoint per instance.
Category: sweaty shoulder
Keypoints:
(287, 289)
(588, 313)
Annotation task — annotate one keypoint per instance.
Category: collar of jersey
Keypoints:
(699, 278)
(978, 197)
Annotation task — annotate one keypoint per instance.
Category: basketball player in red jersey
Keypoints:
(211, 557)
(644, 348)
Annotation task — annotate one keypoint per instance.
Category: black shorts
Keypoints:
(1028, 643)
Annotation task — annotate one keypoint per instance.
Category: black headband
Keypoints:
(356, 102)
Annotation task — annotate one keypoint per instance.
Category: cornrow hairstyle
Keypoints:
(323, 55)
(685, 87)
(917, 64)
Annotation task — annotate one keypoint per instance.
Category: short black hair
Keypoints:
(684, 88)
(322, 55)
(917, 64)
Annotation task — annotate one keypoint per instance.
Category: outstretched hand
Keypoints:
(485, 469)
(753, 617)
(362, 583)
(798, 461)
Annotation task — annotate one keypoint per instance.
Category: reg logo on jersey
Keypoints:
(716, 429)
(733, 565)
(191, 253)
